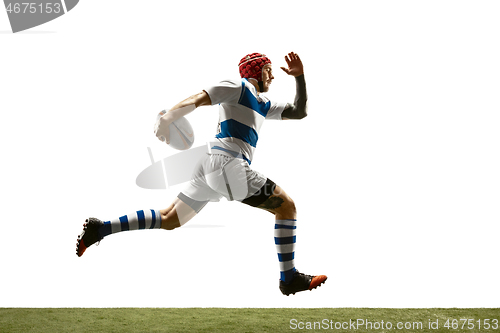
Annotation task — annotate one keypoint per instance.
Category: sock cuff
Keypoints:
(285, 224)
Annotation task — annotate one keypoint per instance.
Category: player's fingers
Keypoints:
(163, 139)
(166, 133)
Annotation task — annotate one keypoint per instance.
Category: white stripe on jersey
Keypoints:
(242, 112)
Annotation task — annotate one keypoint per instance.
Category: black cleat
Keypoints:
(301, 282)
(89, 235)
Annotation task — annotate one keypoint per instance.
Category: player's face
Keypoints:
(267, 77)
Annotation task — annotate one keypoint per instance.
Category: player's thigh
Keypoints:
(228, 176)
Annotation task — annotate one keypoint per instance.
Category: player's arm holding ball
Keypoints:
(165, 118)
(298, 109)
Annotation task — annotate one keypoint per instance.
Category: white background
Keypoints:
(395, 172)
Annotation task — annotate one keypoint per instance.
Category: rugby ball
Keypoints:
(181, 133)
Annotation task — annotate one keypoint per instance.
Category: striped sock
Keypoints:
(284, 238)
(142, 219)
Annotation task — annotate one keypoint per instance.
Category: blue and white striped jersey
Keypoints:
(241, 114)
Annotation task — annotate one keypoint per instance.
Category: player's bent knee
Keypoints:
(169, 218)
(280, 204)
(287, 207)
(182, 210)
(170, 223)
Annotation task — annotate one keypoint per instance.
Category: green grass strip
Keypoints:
(247, 320)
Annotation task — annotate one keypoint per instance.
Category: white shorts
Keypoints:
(218, 176)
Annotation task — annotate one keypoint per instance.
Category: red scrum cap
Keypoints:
(251, 66)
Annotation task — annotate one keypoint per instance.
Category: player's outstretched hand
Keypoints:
(295, 67)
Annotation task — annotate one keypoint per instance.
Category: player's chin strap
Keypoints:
(261, 86)
(165, 118)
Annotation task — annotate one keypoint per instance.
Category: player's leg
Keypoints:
(280, 204)
(263, 193)
(177, 214)
(169, 218)
(94, 230)
(182, 209)
(275, 200)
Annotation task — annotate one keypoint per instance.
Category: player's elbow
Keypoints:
(202, 99)
(301, 107)
(295, 111)
(301, 114)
